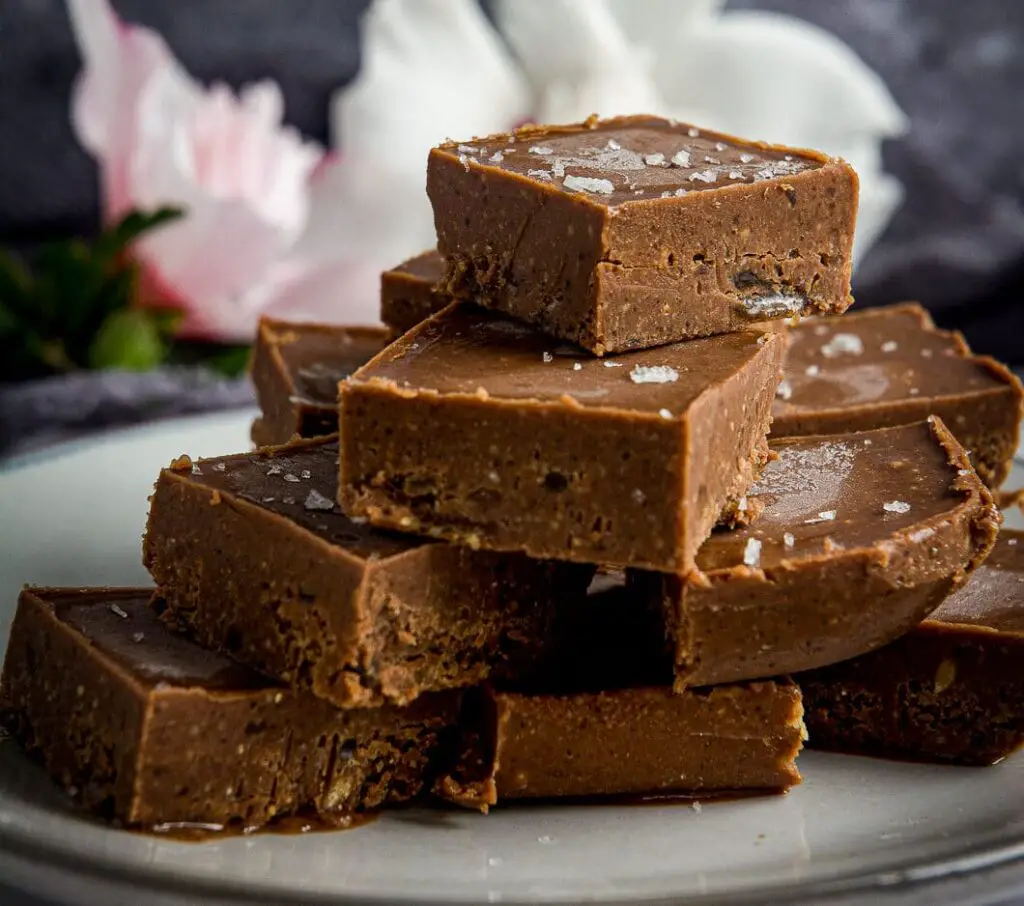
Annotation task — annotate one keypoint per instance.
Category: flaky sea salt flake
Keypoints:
(588, 184)
(752, 552)
(787, 539)
(681, 158)
(774, 306)
(497, 157)
(708, 176)
(890, 346)
(812, 371)
(315, 501)
(612, 364)
(547, 356)
(896, 506)
(746, 158)
(613, 145)
(735, 174)
(219, 467)
(653, 374)
(119, 610)
(576, 366)
(291, 478)
(654, 160)
(842, 344)
(785, 390)
(823, 516)
(693, 132)
(538, 174)
(540, 149)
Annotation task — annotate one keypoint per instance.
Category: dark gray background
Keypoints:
(956, 68)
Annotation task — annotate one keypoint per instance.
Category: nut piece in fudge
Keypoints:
(646, 741)
(637, 231)
(296, 368)
(253, 558)
(950, 690)
(892, 366)
(478, 429)
(136, 721)
(860, 538)
(409, 293)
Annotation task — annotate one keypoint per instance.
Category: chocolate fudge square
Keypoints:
(254, 559)
(637, 231)
(475, 428)
(647, 741)
(892, 366)
(138, 722)
(296, 368)
(861, 536)
(950, 690)
(410, 292)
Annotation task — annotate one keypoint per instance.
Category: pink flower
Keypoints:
(258, 226)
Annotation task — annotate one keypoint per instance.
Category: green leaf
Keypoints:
(231, 361)
(117, 238)
(128, 339)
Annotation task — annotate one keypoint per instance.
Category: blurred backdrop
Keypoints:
(956, 242)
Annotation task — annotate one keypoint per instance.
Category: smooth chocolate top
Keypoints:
(466, 350)
(128, 631)
(300, 482)
(318, 356)
(427, 266)
(847, 491)
(633, 158)
(876, 356)
(994, 596)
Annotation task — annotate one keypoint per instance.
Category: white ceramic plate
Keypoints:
(74, 516)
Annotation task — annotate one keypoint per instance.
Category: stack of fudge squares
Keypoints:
(533, 538)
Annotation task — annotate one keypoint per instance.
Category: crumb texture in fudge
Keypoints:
(145, 726)
(861, 537)
(950, 690)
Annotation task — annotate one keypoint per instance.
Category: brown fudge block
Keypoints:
(475, 428)
(892, 366)
(409, 293)
(637, 231)
(254, 559)
(861, 537)
(141, 723)
(296, 368)
(950, 690)
(636, 742)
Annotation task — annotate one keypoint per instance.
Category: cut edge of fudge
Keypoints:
(138, 723)
(951, 690)
(613, 288)
(629, 742)
(989, 434)
(410, 291)
(357, 616)
(286, 411)
(911, 571)
(391, 501)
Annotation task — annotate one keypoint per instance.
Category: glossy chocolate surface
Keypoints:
(300, 482)
(826, 494)
(467, 350)
(129, 631)
(876, 356)
(636, 158)
(994, 598)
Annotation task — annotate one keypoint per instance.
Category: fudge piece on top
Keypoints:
(860, 538)
(478, 429)
(892, 366)
(638, 231)
(296, 368)
(950, 690)
(409, 293)
(253, 558)
(138, 722)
